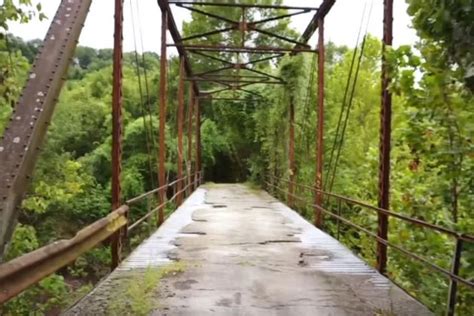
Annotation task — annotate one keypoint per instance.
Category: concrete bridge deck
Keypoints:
(244, 253)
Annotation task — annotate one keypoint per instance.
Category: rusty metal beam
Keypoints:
(162, 111)
(190, 137)
(233, 88)
(453, 284)
(23, 138)
(320, 128)
(235, 76)
(385, 139)
(244, 26)
(263, 74)
(239, 5)
(198, 138)
(266, 81)
(25, 271)
(226, 99)
(213, 71)
(255, 61)
(212, 15)
(173, 29)
(227, 29)
(212, 57)
(238, 49)
(279, 17)
(314, 23)
(243, 66)
(180, 184)
(116, 240)
(280, 37)
(291, 153)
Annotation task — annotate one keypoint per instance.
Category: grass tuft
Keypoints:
(136, 296)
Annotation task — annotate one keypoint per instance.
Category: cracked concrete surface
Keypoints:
(249, 254)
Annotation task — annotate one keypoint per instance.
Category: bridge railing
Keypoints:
(459, 238)
(20, 273)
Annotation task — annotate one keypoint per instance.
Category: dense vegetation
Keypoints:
(432, 154)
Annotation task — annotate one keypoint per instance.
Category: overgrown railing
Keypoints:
(460, 238)
(20, 273)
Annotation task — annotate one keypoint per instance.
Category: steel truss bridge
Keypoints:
(21, 143)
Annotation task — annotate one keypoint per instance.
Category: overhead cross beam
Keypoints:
(186, 45)
(239, 66)
(240, 49)
(244, 26)
(175, 34)
(238, 5)
(313, 25)
(232, 80)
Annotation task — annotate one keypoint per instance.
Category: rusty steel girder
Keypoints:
(180, 122)
(117, 127)
(320, 127)
(385, 139)
(162, 110)
(21, 142)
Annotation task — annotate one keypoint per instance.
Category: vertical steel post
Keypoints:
(180, 184)
(320, 131)
(385, 135)
(453, 285)
(198, 142)
(163, 104)
(339, 208)
(291, 153)
(190, 137)
(116, 240)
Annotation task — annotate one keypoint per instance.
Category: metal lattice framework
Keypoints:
(237, 63)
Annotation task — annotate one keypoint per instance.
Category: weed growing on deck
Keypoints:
(136, 295)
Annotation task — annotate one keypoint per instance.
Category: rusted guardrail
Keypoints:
(20, 273)
(196, 181)
(453, 275)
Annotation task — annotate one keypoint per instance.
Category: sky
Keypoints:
(341, 25)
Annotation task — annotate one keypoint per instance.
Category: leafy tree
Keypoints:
(448, 26)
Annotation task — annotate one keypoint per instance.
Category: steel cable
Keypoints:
(346, 91)
(142, 107)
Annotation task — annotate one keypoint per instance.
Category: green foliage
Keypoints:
(24, 240)
(13, 71)
(213, 142)
(447, 25)
(50, 293)
(21, 11)
(13, 65)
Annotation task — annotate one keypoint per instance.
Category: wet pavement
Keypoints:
(246, 253)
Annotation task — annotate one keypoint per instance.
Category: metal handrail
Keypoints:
(153, 211)
(463, 236)
(453, 275)
(144, 195)
(20, 273)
